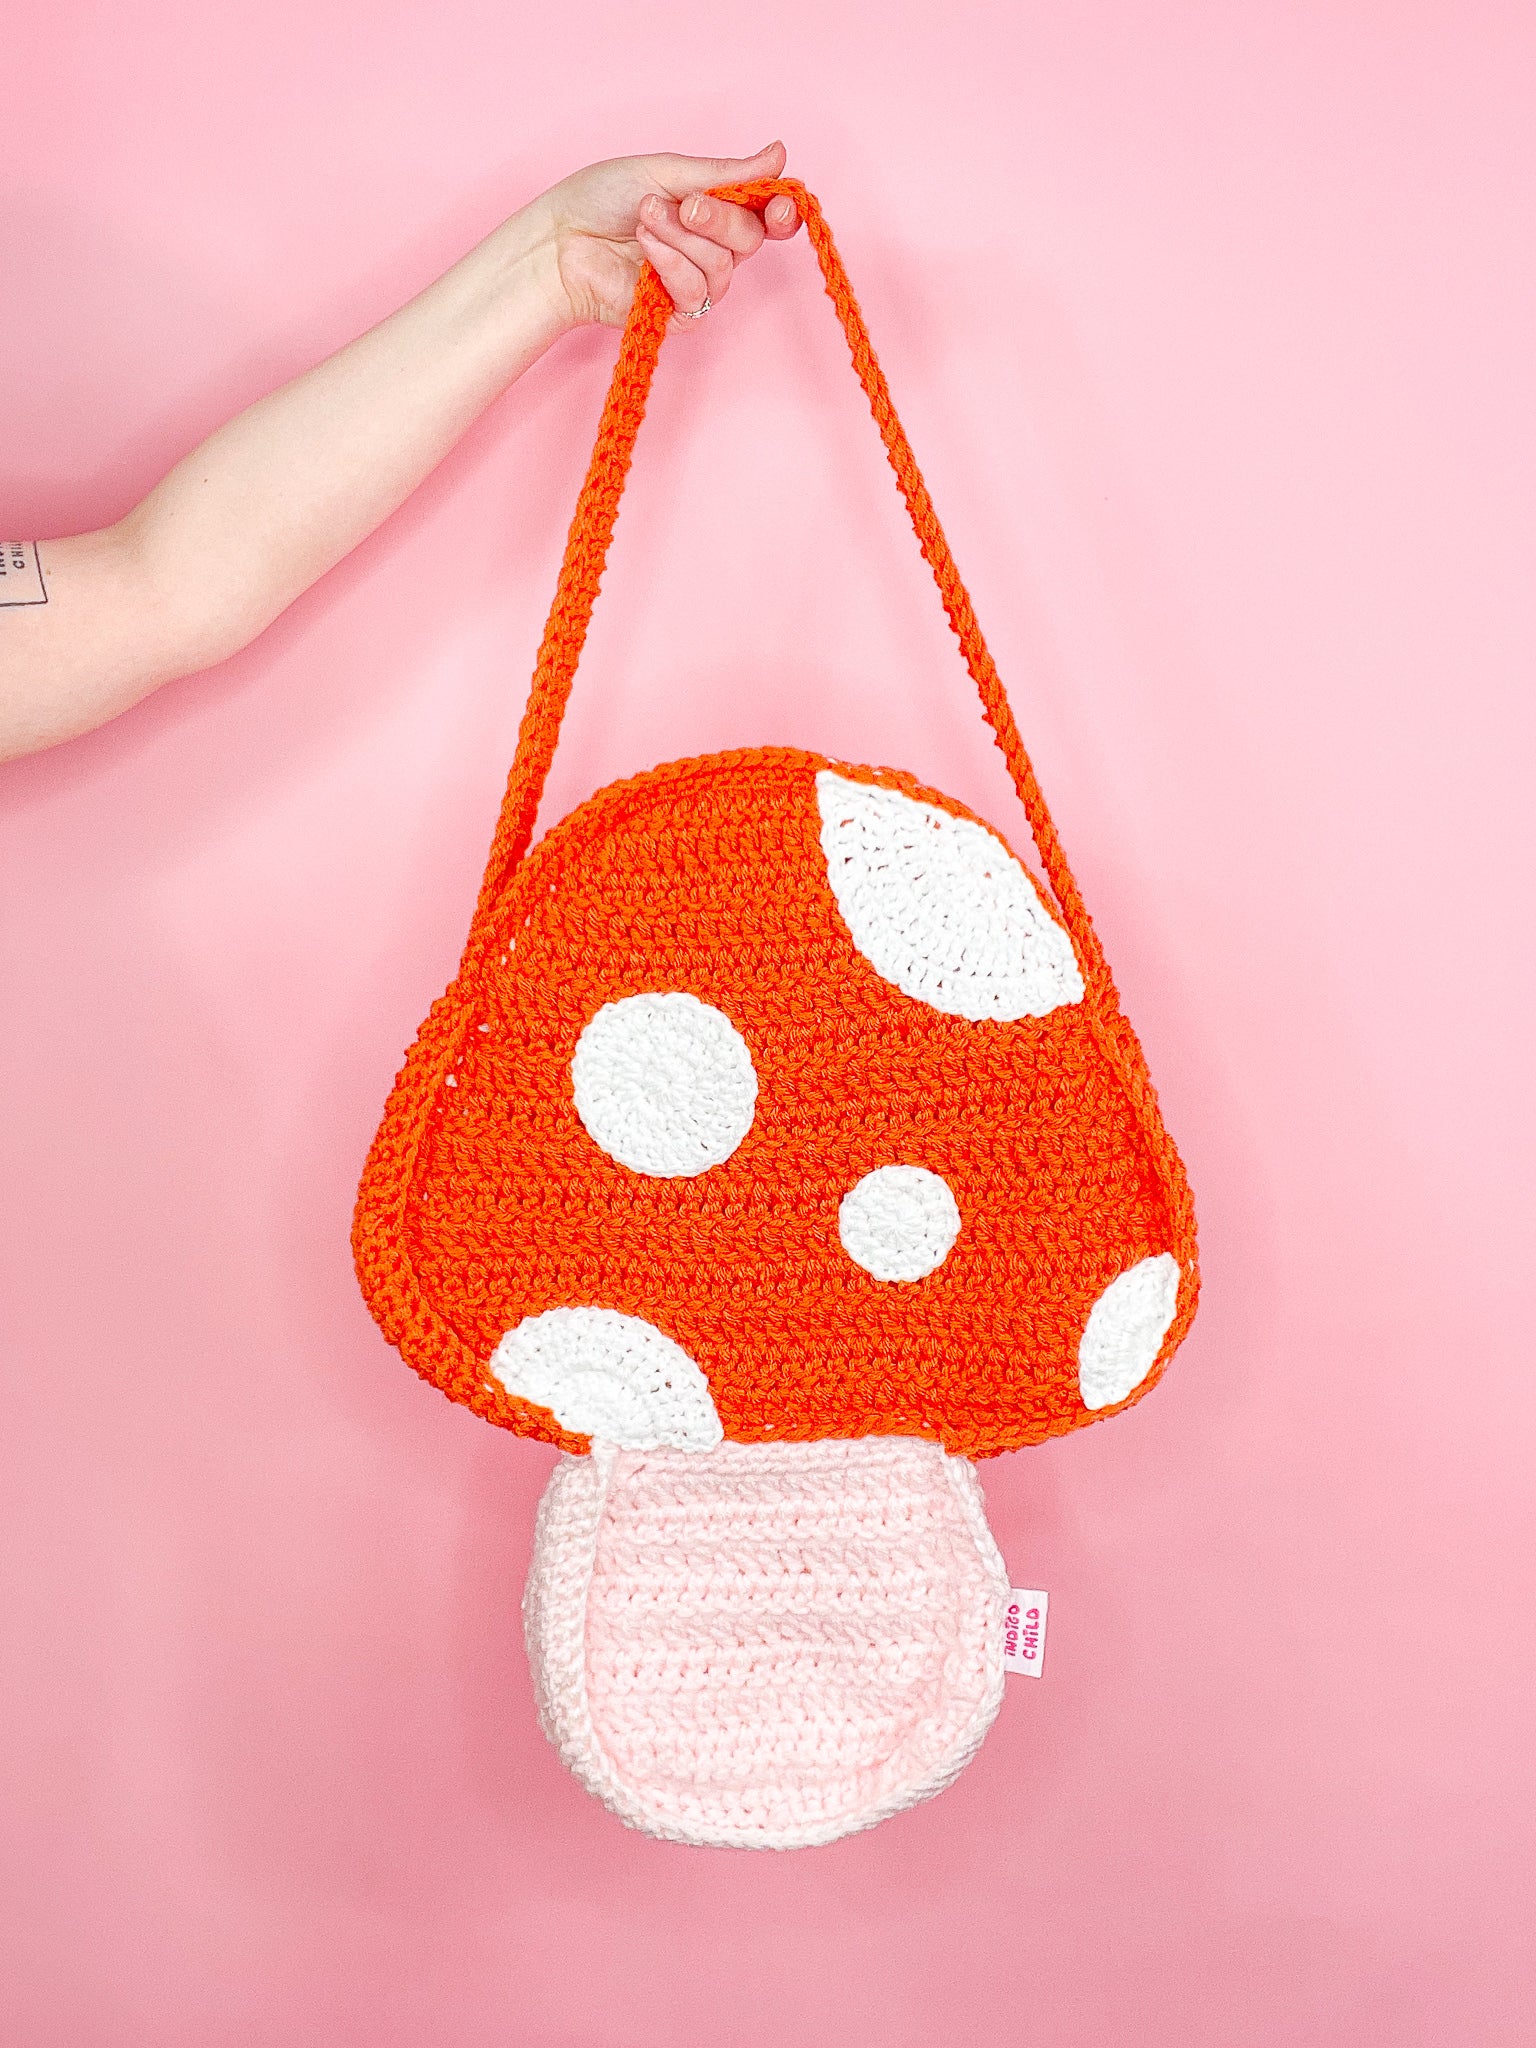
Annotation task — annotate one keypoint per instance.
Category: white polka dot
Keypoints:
(664, 1083)
(613, 1377)
(939, 906)
(1126, 1328)
(898, 1222)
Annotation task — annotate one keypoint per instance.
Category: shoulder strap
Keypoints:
(586, 551)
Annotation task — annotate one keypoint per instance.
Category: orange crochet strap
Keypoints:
(591, 531)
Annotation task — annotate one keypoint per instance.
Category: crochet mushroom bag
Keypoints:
(778, 1150)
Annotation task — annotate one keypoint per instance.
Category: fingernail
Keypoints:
(698, 210)
(654, 207)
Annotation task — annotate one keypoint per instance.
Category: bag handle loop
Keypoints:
(586, 551)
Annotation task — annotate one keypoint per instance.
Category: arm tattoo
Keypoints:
(21, 574)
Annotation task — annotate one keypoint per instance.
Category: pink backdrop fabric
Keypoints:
(1213, 329)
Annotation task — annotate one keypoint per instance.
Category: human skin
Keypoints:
(279, 494)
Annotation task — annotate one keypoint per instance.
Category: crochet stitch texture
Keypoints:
(780, 1143)
(766, 1648)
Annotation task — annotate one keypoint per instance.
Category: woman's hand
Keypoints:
(608, 219)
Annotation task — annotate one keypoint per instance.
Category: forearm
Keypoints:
(268, 503)
(283, 491)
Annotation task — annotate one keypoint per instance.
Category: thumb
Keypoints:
(680, 175)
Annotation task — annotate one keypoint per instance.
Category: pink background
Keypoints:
(1213, 328)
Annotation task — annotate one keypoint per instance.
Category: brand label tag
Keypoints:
(1024, 1631)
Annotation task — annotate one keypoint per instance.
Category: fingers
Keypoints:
(693, 240)
(695, 247)
(736, 228)
(681, 175)
(687, 284)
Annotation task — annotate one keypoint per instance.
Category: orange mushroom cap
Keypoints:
(488, 1201)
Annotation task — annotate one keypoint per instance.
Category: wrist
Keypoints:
(527, 251)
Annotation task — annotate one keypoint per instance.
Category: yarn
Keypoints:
(485, 1201)
(778, 1148)
(664, 1084)
(765, 1648)
(899, 1222)
(611, 1376)
(1125, 1331)
(708, 879)
(940, 906)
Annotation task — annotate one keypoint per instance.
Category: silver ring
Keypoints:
(699, 315)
